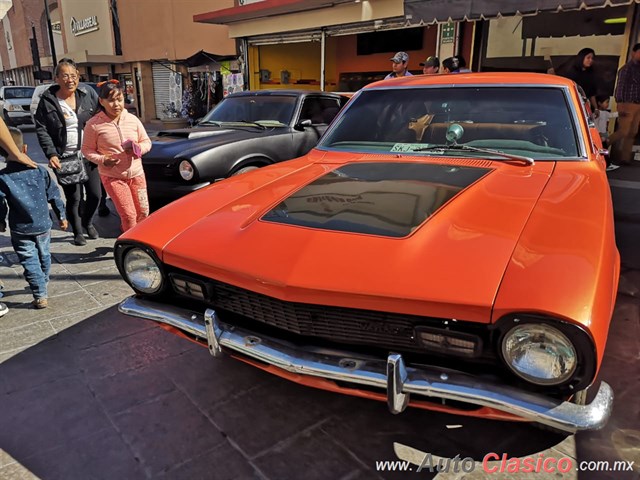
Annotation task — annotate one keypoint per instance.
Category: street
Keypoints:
(86, 392)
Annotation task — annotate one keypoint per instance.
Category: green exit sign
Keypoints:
(448, 33)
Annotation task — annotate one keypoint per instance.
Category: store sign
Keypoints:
(86, 25)
(448, 33)
(56, 27)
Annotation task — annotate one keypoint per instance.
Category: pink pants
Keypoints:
(129, 196)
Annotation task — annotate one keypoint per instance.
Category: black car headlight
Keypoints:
(142, 271)
(539, 353)
(186, 169)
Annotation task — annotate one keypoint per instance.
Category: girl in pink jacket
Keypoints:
(115, 140)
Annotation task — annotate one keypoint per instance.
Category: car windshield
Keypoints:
(18, 92)
(276, 110)
(527, 121)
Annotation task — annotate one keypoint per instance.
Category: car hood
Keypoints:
(189, 142)
(18, 101)
(363, 232)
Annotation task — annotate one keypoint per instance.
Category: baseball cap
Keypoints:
(400, 57)
(431, 62)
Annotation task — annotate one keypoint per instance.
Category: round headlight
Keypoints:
(142, 271)
(539, 353)
(186, 170)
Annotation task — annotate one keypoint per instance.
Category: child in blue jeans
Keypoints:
(25, 193)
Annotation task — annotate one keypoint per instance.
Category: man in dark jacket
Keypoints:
(62, 112)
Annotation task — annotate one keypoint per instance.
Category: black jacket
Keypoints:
(50, 125)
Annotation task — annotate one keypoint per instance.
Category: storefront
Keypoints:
(321, 45)
(343, 45)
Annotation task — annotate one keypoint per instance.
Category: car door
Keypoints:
(315, 115)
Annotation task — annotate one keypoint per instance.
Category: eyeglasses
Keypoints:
(113, 80)
(66, 76)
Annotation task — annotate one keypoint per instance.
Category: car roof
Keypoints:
(488, 79)
(288, 92)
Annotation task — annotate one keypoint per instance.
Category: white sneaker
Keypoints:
(3, 309)
(612, 167)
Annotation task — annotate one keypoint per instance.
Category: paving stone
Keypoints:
(46, 362)
(65, 322)
(16, 471)
(15, 338)
(310, 455)
(208, 381)
(5, 459)
(127, 389)
(129, 353)
(107, 292)
(221, 463)
(101, 327)
(48, 415)
(167, 431)
(103, 455)
(427, 432)
(262, 417)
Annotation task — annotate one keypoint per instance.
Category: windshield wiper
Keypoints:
(490, 151)
(255, 124)
(210, 122)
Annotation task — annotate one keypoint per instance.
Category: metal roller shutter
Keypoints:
(161, 88)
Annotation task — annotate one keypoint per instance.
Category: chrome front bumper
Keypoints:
(390, 374)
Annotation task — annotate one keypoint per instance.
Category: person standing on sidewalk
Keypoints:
(13, 153)
(627, 97)
(399, 65)
(63, 110)
(25, 194)
(115, 140)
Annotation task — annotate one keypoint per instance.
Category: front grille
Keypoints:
(336, 324)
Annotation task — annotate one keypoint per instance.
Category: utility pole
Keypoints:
(53, 47)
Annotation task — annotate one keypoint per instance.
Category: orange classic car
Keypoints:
(448, 245)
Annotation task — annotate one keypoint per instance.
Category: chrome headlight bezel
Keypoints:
(134, 275)
(584, 368)
(186, 170)
(14, 108)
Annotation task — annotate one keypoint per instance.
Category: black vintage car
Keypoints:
(244, 131)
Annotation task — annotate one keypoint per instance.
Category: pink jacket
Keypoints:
(103, 137)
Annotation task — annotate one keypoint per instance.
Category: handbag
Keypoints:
(72, 170)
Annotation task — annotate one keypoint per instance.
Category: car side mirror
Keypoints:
(303, 124)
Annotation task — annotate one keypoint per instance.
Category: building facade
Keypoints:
(344, 44)
(146, 45)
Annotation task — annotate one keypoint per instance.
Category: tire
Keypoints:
(244, 170)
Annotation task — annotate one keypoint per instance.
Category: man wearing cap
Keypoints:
(431, 66)
(400, 65)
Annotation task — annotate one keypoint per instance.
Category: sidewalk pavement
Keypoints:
(84, 281)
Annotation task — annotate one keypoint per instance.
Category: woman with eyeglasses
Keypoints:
(115, 141)
(62, 112)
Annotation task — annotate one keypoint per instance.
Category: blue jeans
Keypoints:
(34, 256)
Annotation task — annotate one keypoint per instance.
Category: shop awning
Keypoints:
(202, 58)
(263, 8)
(430, 11)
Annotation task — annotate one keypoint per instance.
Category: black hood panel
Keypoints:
(388, 199)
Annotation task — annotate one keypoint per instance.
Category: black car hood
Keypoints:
(189, 142)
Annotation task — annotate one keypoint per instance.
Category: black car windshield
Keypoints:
(267, 110)
(20, 92)
(535, 122)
